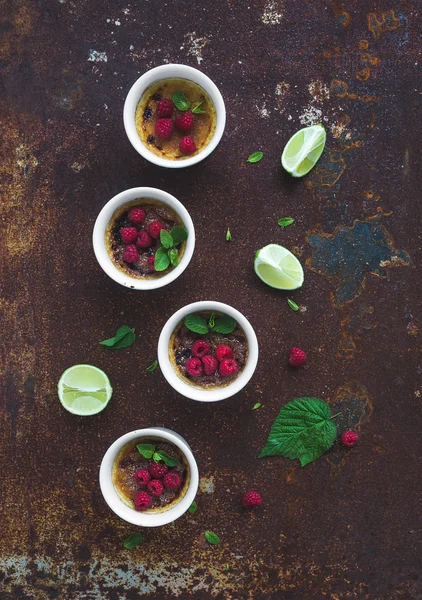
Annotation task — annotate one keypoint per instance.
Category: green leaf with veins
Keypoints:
(166, 238)
(132, 541)
(162, 261)
(224, 324)
(146, 450)
(180, 101)
(196, 324)
(211, 321)
(125, 337)
(292, 305)
(285, 221)
(197, 110)
(160, 455)
(179, 234)
(193, 507)
(255, 157)
(212, 538)
(173, 255)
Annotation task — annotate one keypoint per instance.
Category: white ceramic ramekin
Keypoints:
(144, 519)
(165, 72)
(103, 219)
(196, 393)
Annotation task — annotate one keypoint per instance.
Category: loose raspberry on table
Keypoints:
(222, 352)
(187, 145)
(349, 438)
(136, 215)
(165, 108)
(194, 367)
(144, 240)
(142, 500)
(130, 255)
(200, 348)
(128, 235)
(158, 470)
(210, 364)
(297, 357)
(155, 487)
(185, 121)
(151, 263)
(228, 366)
(252, 500)
(172, 480)
(164, 128)
(142, 477)
(155, 228)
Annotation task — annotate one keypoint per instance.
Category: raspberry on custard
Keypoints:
(128, 235)
(185, 121)
(164, 128)
(142, 500)
(155, 487)
(172, 480)
(151, 263)
(130, 255)
(194, 367)
(228, 367)
(144, 240)
(165, 108)
(136, 215)
(158, 470)
(142, 477)
(210, 364)
(155, 228)
(200, 348)
(187, 145)
(223, 351)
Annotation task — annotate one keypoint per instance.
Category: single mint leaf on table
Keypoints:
(224, 324)
(166, 458)
(212, 538)
(228, 235)
(132, 541)
(257, 405)
(197, 110)
(193, 507)
(125, 336)
(180, 101)
(166, 238)
(303, 429)
(152, 366)
(196, 324)
(255, 157)
(147, 450)
(162, 260)
(227, 568)
(173, 255)
(292, 305)
(211, 321)
(179, 234)
(285, 221)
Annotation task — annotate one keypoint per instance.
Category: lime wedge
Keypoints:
(303, 150)
(84, 390)
(278, 267)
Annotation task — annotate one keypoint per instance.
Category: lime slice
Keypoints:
(303, 150)
(84, 390)
(278, 267)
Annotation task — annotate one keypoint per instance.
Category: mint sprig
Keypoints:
(180, 101)
(255, 157)
(212, 538)
(197, 324)
(285, 221)
(168, 254)
(197, 110)
(149, 451)
(124, 337)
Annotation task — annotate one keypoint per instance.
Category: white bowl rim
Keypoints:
(130, 515)
(164, 72)
(103, 219)
(189, 391)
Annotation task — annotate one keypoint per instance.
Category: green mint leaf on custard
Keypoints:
(162, 260)
(197, 110)
(196, 324)
(303, 429)
(132, 541)
(285, 221)
(125, 336)
(228, 235)
(211, 321)
(180, 101)
(166, 239)
(292, 305)
(212, 538)
(173, 255)
(152, 367)
(160, 455)
(193, 507)
(255, 157)
(224, 324)
(147, 450)
(179, 234)
(256, 406)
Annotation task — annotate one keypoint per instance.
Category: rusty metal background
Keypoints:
(347, 526)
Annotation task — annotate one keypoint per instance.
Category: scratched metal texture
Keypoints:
(347, 526)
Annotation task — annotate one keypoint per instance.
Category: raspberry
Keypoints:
(210, 364)
(165, 108)
(227, 367)
(136, 215)
(252, 499)
(150, 262)
(130, 255)
(155, 487)
(297, 357)
(185, 121)
(200, 348)
(172, 480)
(187, 145)
(129, 235)
(164, 128)
(155, 228)
(142, 477)
(142, 500)
(349, 438)
(158, 470)
(222, 352)
(144, 240)
(194, 367)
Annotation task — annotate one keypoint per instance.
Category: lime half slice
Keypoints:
(303, 150)
(278, 267)
(84, 390)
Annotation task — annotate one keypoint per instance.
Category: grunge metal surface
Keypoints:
(345, 527)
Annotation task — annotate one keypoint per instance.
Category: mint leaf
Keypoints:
(125, 336)
(211, 321)
(166, 458)
(180, 101)
(303, 429)
(166, 239)
(224, 324)
(179, 234)
(255, 157)
(292, 305)
(212, 538)
(193, 507)
(196, 324)
(197, 110)
(147, 450)
(257, 405)
(162, 260)
(228, 235)
(152, 367)
(227, 568)
(173, 255)
(285, 221)
(132, 541)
